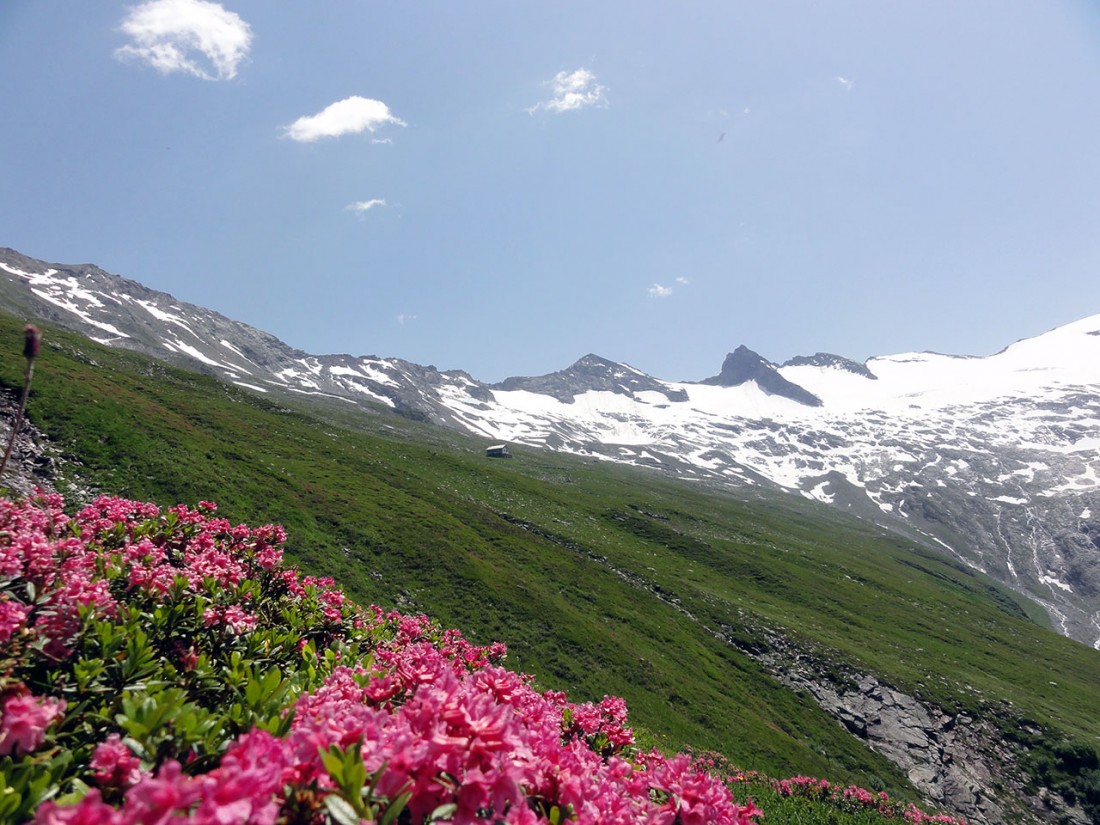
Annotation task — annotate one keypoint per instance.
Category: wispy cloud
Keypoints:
(349, 116)
(847, 83)
(571, 91)
(403, 318)
(362, 207)
(196, 37)
(662, 291)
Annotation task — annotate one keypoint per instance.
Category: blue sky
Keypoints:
(504, 187)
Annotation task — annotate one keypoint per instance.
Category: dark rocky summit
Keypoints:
(744, 365)
(827, 359)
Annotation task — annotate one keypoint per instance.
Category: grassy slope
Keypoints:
(413, 516)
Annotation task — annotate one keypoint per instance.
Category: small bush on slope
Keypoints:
(802, 800)
(165, 667)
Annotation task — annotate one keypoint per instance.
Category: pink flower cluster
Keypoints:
(863, 798)
(58, 575)
(805, 786)
(483, 742)
(602, 725)
(63, 564)
(852, 798)
(427, 725)
(915, 815)
(114, 764)
(24, 721)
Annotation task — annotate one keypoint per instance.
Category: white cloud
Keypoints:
(662, 291)
(362, 207)
(344, 117)
(191, 36)
(845, 82)
(572, 90)
(403, 318)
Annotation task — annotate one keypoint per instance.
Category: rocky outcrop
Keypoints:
(32, 463)
(588, 374)
(828, 359)
(953, 760)
(958, 762)
(743, 365)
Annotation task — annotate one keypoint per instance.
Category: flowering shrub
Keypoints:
(24, 721)
(165, 667)
(804, 786)
(852, 799)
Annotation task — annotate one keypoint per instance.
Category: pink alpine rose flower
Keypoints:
(114, 764)
(91, 810)
(13, 616)
(24, 722)
(239, 620)
(157, 799)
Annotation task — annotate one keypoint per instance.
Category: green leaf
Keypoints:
(341, 811)
(79, 790)
(10, 799)
(333, 760)
(395, 808)
(376, 777)
(444, 811)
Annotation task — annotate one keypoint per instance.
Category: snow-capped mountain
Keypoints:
(995, 460)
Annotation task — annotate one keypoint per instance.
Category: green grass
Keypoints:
(600, 578)
(793, 810)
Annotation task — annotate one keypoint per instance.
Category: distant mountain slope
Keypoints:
(788, 635)
(996, 460)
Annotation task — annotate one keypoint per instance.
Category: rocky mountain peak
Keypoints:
(829, 360)
(743, 365)
(591, 373)
(593, 364)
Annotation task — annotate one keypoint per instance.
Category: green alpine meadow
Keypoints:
(771, 633)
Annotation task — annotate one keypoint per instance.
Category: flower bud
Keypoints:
(31, 337)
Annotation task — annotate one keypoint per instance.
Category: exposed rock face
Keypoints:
(951, 760)
(32, 463)
(744, 365)
(959, 763)
(827, 359)
(592, 374)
